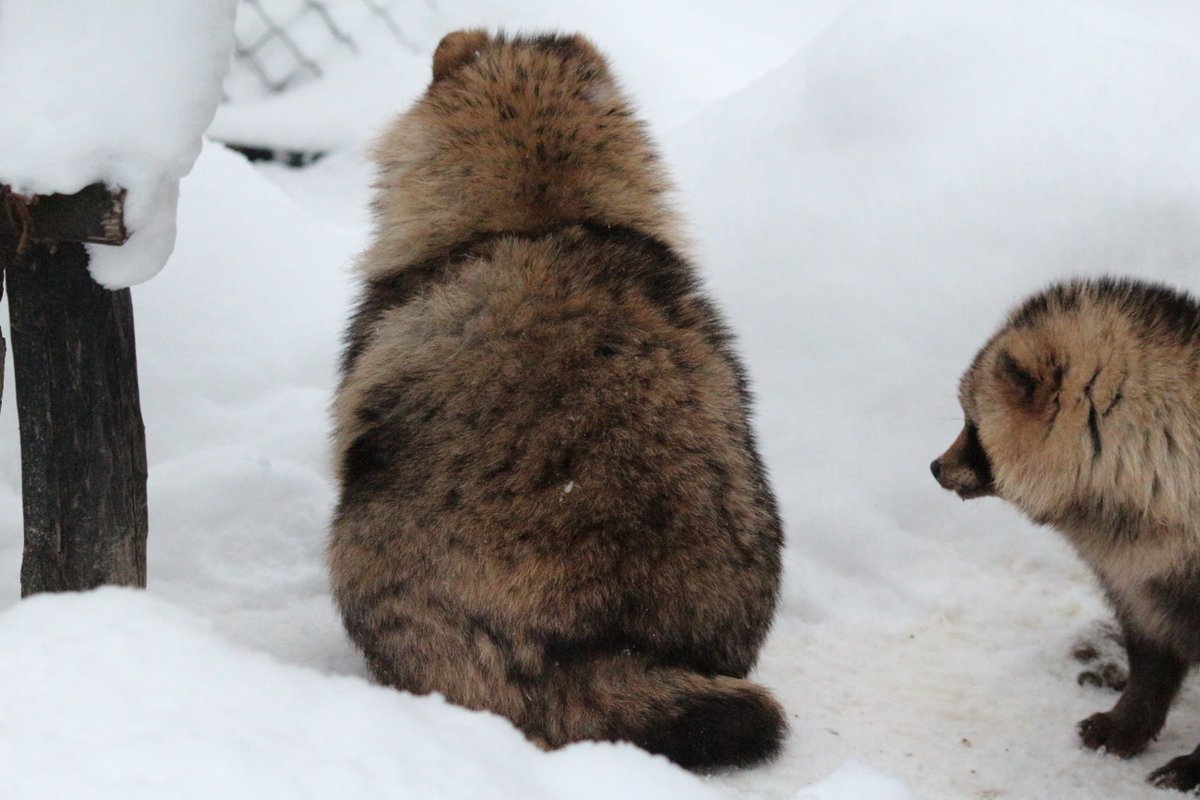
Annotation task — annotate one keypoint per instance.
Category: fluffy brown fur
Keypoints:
(551, 502)
(1084, 411)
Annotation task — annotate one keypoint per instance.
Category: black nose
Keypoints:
(936, 469)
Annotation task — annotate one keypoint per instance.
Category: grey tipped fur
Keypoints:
(551, 502)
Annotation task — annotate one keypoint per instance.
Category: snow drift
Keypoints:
(116, 92)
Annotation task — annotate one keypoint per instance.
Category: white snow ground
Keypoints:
(870, 186)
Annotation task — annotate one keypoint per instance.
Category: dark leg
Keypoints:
(1154, 678)
(1181, 773)
(83, 445)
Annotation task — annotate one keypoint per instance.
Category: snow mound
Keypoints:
(118, 92)
(143, 701)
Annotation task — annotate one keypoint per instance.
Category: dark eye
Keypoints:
(1019, 377)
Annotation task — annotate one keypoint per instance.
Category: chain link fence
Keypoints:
(281, 43)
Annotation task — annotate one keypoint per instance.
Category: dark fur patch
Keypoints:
(1117, 398)
(976, 458)
(380, 295)
(1017, 375)
(565, 651)
(390, 457)
(1181, 774)
(1061, 297)
(704, 658)
(648, 263)
(565, 46)
(1094, 430)
(719, 730)
(1159, 310)
(1179, 597)
(364, 461)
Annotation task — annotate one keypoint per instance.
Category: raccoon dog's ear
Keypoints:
(456, 49)
(584, 47)
(594, 56)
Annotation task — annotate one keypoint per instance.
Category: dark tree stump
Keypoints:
(83, 446)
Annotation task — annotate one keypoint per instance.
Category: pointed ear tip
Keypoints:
(455, 49)
(586, 46)
(584, 43)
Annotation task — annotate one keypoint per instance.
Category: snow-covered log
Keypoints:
(83, 447)
(104, 109)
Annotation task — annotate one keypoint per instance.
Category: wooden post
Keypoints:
(83, 448)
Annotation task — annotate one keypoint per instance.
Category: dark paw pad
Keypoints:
(1103, 731)
(1182, 774)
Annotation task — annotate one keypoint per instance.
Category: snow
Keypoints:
(870, 186)
(853, 781)
(119, 92)
(193, 714)
(363, 92)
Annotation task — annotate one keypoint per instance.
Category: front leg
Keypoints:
(1155, 674)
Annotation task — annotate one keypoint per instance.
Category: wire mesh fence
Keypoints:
(281, 43)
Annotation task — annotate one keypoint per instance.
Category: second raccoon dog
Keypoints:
(1084, 412)
(552, 506)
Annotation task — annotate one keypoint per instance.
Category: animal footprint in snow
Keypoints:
(1101, 649)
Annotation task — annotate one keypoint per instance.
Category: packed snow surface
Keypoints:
(870, 186)
(853, 781)
(118, 92)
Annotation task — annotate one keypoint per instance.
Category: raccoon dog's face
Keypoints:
(1037, 401)
(1010, 397)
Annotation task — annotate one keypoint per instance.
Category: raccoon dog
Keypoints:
(1084, 411)
(551, 503)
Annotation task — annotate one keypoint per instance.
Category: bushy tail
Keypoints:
(697, 721)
